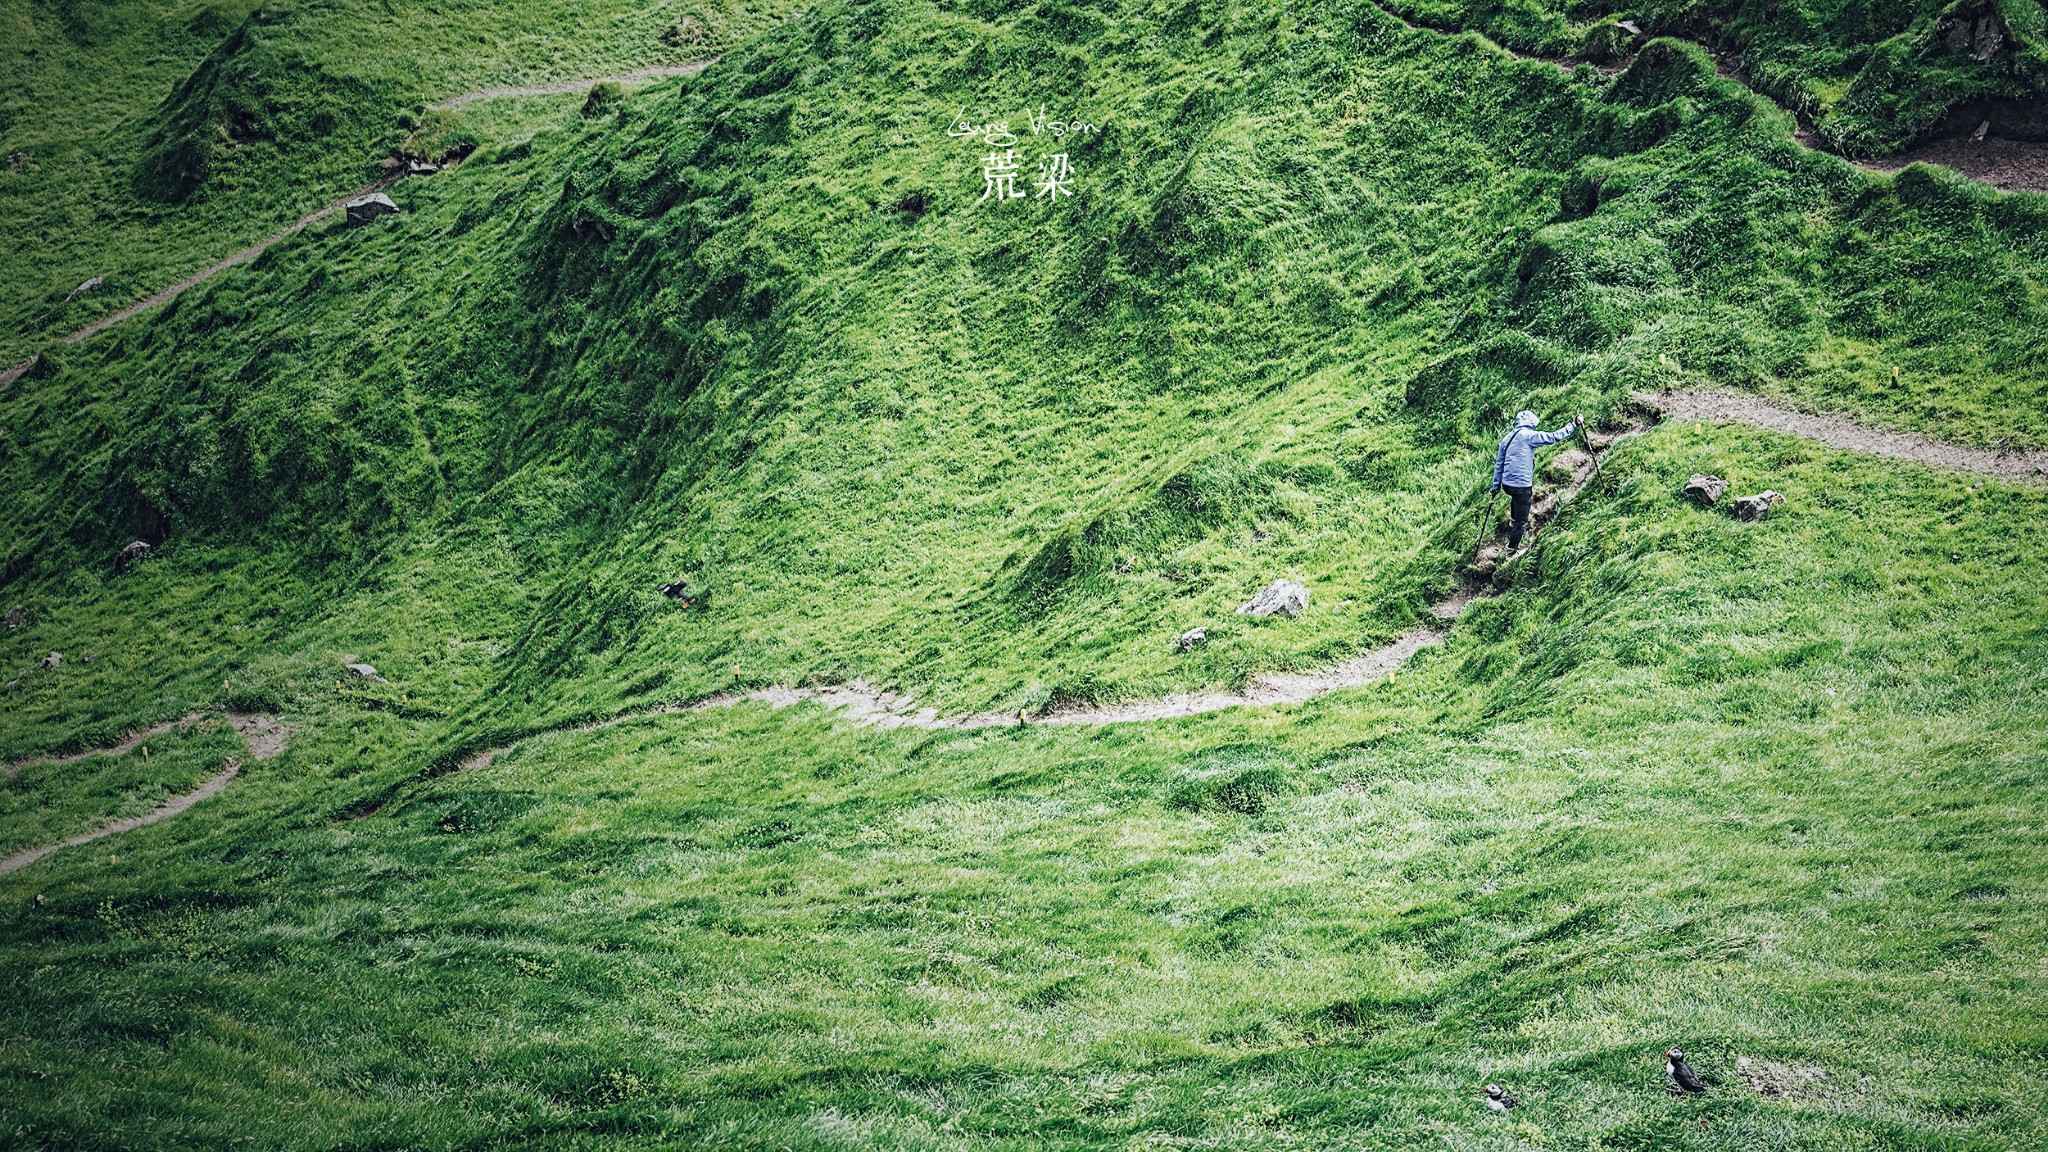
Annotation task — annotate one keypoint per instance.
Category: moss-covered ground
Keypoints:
(1767, 791)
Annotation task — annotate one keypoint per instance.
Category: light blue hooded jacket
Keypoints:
(1515, 464)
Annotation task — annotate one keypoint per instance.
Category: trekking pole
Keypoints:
(1595, 451)
(1485, 518)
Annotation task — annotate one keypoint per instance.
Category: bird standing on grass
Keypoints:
(1683, 1078)
(1498, 1100)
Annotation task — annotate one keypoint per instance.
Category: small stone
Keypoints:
(1756, 507)
(1706, 491)
(366, 672)
(49, 663)
(368, 208)
(87, 286)
(1192, 639)
(420, 168)
(16, 615)
(133, 552)
(1629, 26)
(1280, 598)
(19, 160)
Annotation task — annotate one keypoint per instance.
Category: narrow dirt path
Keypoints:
(1837, 432)
(879, 708)
(10, 375)
(212, 787)
(264, 736)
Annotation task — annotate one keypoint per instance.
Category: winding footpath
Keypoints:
(264, 736)
(10, 375)
(878, 708)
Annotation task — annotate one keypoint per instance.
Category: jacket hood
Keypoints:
(1525, 419)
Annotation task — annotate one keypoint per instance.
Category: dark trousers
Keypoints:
(1519, 497)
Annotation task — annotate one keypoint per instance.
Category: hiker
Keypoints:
(1514, 467)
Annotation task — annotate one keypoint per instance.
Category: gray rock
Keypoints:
(1192, 639)
(88, 286)
(368, 208)
(16, 616)
(420, 168)
(1280, 598)
(19, 160)
(1756, 507)
(1705, 491)
(136, 550)
(1630, 27)
(49, 663)
(366, 672)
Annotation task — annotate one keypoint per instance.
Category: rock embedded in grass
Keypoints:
(1280, 598)
(1756, 507)
(50, 662)
(1706, 491)
(367, 208)
(1192, 639)
(366, 672)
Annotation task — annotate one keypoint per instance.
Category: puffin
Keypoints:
(1683, 1078)
(1498, 1100)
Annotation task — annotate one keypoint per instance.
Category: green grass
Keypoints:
(44, 802)
(133, 178)
(1764, 790)
(1869, 78)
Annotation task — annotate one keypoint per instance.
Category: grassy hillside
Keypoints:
(1869, 78)
(1769, 791)
(160, 135)
(1763, 790)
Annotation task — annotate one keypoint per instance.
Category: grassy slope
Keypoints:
(1869, 77)
(672, 342)
(1766, 790)
(86, 89)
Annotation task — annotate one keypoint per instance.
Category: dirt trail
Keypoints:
(10, 375)
(212, 787)
(874, 707)
(1837, 432)
(265, 737)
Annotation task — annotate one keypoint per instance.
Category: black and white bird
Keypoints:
(1683, 1078)
(1498, 1100)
